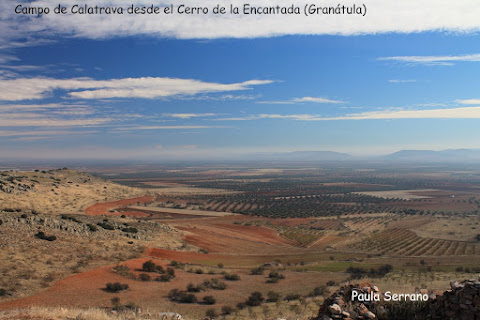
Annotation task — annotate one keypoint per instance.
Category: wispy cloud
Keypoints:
(468, 101)
(54, 115)
(149, 88)
(401, 81)
(434, 60)
(451, 113)
(403, 16)
(179, 127)
(43, 133)
(188, 115)
(303, 99)
(5, 58)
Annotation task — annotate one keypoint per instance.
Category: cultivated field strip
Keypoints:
(402, 242)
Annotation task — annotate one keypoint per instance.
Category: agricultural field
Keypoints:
(210, 237)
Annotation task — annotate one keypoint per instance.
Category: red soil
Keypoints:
(103, 208)
(236, 239)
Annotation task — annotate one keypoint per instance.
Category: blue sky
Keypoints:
(147, 95)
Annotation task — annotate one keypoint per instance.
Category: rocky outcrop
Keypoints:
(340, 305)
(461, 302)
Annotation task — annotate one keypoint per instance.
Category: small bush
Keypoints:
(177, 264)
(43, 236)
(292, 296)
(231, 277)
(149, 266)
(211, 313)
(255, 299)
(276, 274)
(159, 269)
(171, 272)
(257, 271)
(226, 310)
(273, 296)
(3, 292)
(241, 305)
(318, 291)
(182, 297)
(164, 278)
(116, 287)
(215, 284)
(199, 271)
(144, 277)
(209, 300)
(123, 271)
(193, 288)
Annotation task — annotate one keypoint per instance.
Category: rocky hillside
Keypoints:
(57, 191)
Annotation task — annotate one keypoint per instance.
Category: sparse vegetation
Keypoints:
(116, 287)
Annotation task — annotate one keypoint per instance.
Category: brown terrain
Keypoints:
(204, 238)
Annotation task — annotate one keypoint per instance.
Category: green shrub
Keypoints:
(211, 313)
(149, 266)
(164, 278)
(231, 277)
(226, 310)
(215, 284)
(273, 296)
(182, 297)
(116, 287)
(144, 277)
(255, 299)
(318, 291)
(257, 271)
(209, 300)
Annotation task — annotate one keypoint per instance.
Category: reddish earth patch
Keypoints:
(103, 208)
(235, 239)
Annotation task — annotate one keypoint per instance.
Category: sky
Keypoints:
(404, 76)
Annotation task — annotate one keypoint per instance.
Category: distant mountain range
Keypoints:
(451, 155)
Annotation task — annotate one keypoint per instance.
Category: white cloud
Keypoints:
(148, 87)
(401, 81)
(316, 100)
(37, 120)
(451, 113)
(468, 101)
(303, 99)
(188, 115)
(4, 58)
(179, 127)
(434, 60)
(43, 133)
(54, 115)
(382, 16)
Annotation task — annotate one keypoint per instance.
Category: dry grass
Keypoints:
(61, 191)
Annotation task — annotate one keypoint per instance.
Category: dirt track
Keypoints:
(103, 208)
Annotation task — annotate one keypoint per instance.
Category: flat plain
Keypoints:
(296, 232)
